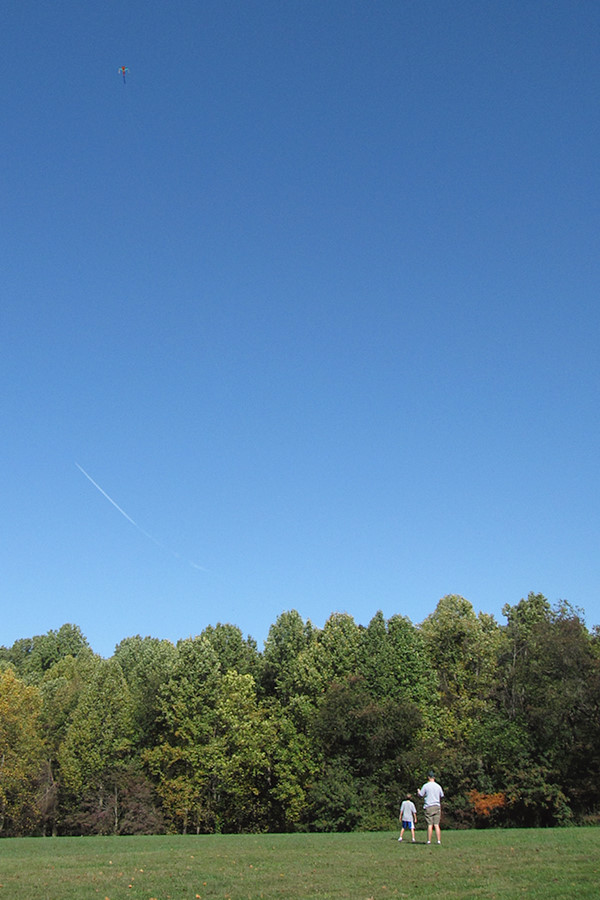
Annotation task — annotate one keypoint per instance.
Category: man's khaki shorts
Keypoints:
(432, 815)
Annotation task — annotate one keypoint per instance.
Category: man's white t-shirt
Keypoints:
(432, 794)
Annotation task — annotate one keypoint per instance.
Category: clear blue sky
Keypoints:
(313, 299)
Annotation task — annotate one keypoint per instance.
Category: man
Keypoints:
(432, 795)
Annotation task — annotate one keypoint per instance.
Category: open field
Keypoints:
(558, 863)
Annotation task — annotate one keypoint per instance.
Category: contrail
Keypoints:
(104, 494)
(134, 523)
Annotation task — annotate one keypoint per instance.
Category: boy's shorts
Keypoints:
(407, 825)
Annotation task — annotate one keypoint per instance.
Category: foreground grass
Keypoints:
(549, 864)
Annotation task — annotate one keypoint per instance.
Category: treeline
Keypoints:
(323, 730)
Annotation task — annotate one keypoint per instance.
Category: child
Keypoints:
(408, 817)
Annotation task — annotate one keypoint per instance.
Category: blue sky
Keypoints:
(313, 299)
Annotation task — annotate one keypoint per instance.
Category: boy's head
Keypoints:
(431, 775)
(409, 796)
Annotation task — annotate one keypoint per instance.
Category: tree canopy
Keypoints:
(326, 729)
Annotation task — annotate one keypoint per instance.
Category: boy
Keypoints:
(408, 817)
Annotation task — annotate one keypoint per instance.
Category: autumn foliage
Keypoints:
(484, 805)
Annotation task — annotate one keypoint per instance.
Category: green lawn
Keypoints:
(558, 863)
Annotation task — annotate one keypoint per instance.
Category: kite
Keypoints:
(123, 70)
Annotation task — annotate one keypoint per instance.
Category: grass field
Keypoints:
(549, 864)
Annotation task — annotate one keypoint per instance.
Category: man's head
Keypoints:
(431, 775)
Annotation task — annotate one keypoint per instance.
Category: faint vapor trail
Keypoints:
(104, 494)
(134, 523)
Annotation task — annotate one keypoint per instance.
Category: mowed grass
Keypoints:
(557, 863)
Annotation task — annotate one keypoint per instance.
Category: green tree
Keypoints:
(550, 687)
(394, 662)
(524, 621)
(463, 649)
(21, 754)
(147, 664)
(187, 723)
(95, 755)
(213, 763)
(288, 638)
(294, 766)
(362, 740)
(233, 651)
(32, 657)
(237, 758)
(333, 654)
(61, 688)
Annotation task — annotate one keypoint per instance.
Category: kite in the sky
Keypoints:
(124, 70)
